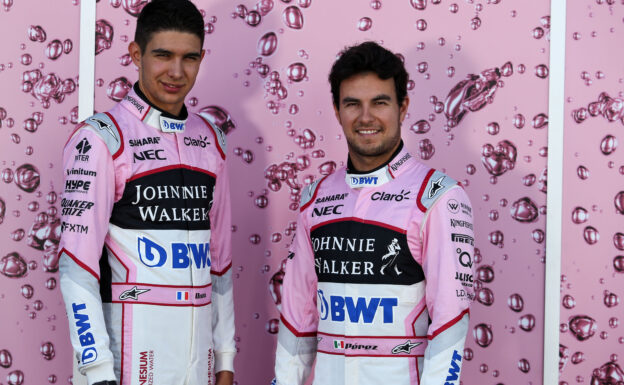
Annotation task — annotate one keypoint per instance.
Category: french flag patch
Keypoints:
(182, 296)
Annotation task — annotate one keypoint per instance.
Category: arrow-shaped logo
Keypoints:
(102, 125)
(405, 347)
(132, 293)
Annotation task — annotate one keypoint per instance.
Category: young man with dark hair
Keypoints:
(379, 279)
(145, 250)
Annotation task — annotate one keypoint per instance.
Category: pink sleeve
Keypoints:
(221, 224)
(447, 252)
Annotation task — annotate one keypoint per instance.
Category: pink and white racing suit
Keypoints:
(379, 280)
(145, 249)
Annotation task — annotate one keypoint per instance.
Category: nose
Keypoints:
(366, 115)
(175, 69)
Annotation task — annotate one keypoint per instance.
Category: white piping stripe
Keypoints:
(86, 91)
(555, 190)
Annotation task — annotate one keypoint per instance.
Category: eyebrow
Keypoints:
(164, 51)
(375, 99)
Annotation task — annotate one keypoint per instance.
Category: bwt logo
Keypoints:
(453, 373)
(356, 308)
(173, 126)
(182, 254)
(89, 353)
(364, 180)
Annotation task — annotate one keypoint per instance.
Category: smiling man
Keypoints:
(145, 249)
(379, 279)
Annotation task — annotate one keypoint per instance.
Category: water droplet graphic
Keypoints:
(577, 358)
(13, 265)
(582, 172)
(483, 335)
(364, 24)
(27, 177)
(36, 33)
(498, 160)
(568, 301)
(419, 4)
(579, 215)
(591, 235)
(104, 33)
(296, 72)
(5, 358)
(54, 50)
(218, 116)
(47, 350)
(485, 273)
(327, 168)
(68, 45)
(420, 127)
(608, 144)
(541, 71)
(118, 89)
(253, 18)
(133, 7)
(524, 210)
(583, 327)
(272, 326)
(527, 322)
(267, 44)
(16, 377)
(523, 365)
(426, 149)
(485, 296)
(611, 299)
(292, 17)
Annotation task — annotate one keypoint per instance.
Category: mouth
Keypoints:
(172, 88)
(367, 131)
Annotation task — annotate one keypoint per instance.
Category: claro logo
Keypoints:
(383, 196)
(182, 254)
(89, 353)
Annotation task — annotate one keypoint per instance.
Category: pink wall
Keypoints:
(34, 346)
(592, 280)
(498, 151)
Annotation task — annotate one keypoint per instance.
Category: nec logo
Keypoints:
(356, 308)
(453, 373)
(182, 254)
(77, 186)
(89, 353)
(364, 180)
(327, 210)
(149, 155)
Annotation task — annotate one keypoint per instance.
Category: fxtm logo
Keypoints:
(356, 308)
(149, 155)
(182, 254)
(364, 180)
(453, 373)
(89, 353)
(383, 196)
(327, 210)
(201, 142)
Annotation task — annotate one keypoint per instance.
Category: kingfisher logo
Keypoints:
(454, 368)
(364, 180)
(183, 255)
(171, 125)
(89, 353)
(356, 310)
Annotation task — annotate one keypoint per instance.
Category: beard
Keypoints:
(386, 146)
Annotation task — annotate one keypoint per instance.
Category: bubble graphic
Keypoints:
(608, 144)
(26, 59)
(125, 60)
(568, 301)
(496, 238)
(579, 215)
(50, 283)
(611, 299)
(13, 265)
(118, 89)
(296, 72)
(133, 7)
(564, 353)
(527, 322)
(583, 327)
(5, 358)
(591, 235)
(267, 44)
(485, 296)
(608, 374)
(47, 350)
(618, 201)
(618, 263)
(539, 121)
(515, 302)
(54, 50)
(37, 33)
(275, 287)
(500, 159)
(253, 18)
(483, 335)
(218, 116)
(16, 377)
(272, 326)
(493, 128)
(485, 273)
(618, 239)
(364, 24)
(421, 24)
(68, 45)
(471, 94)
(524, 210)
(419, 4)
(577, 358)
(327, 168)
(582, 172)
(426, 149)
(104, 34)
(523, 365)
(541, 71)
(292, 17)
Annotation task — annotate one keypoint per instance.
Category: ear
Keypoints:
(337, 113)
(203, 53)
(403, 108)
(135, 53)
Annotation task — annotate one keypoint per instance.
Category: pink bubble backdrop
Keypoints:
(478, 111)
(592, 280)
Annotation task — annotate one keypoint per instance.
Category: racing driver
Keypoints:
(145, 249)
(379, 280)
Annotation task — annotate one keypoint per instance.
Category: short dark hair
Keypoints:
(368, 57)
(168, 15)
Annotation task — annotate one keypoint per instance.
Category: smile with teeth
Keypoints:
(368, 131)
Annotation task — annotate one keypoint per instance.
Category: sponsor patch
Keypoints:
(85, 337)
(81, 171)
(83, 147)
(154, 154)
(132, 293)
(356, 309)
(436, 186)
(331, 198)
(327, 210)
(171, 125)
(465, 259)
(462, 238)
(79, 186)
(453, 206)
(461, 223)
(144, 141)
(75, 207)
(384, 196)
(405, 347)
(74, 228)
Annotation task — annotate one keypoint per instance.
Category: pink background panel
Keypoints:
(33, 131)
(591, 286)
